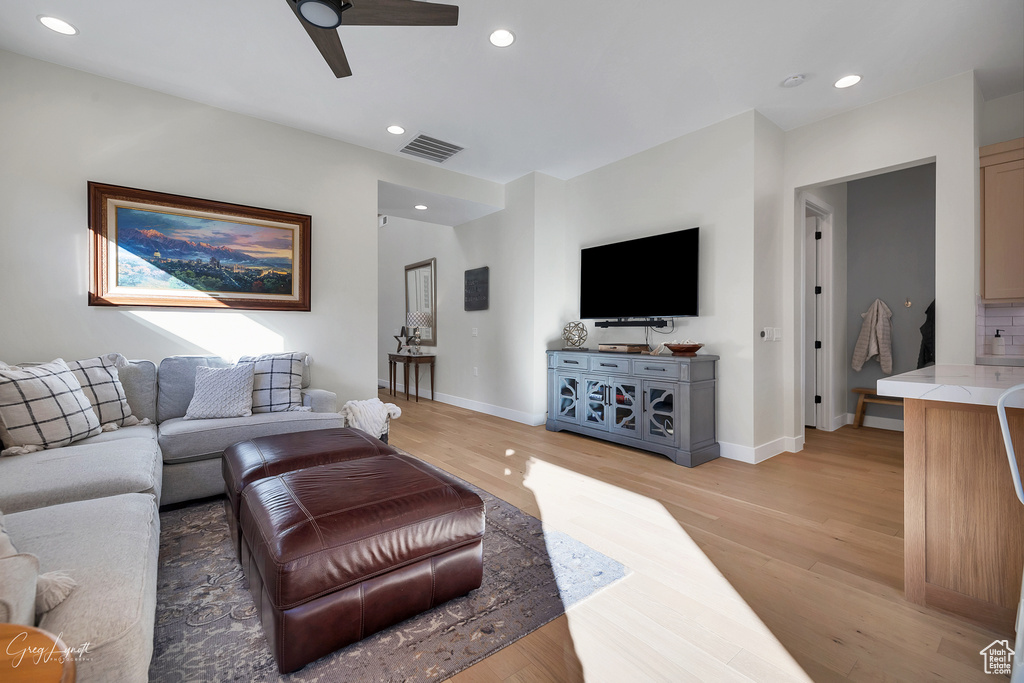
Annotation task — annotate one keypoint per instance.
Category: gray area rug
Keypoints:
(207, 628)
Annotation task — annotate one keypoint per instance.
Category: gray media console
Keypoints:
(664, 404)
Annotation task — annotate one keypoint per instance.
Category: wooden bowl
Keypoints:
(683, 349)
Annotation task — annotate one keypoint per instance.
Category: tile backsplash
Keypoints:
(1006, 317)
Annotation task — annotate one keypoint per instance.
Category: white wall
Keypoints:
(703, 179)
(1002, 119)
(60, 128)
(767, 289)
(553, 258)
(937, 122)
(400, 243)
(510, 366)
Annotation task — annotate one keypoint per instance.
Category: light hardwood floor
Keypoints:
(787, 570)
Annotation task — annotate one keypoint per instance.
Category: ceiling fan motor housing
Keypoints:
(322, 13)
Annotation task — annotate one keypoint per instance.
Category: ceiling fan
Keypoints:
(321, 18)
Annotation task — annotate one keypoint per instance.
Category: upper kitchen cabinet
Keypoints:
(1002, 220)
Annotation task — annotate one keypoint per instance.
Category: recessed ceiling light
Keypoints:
(420, 207)
(396, 130)
(793, 81)
(58, 25)
(502, 38)
(847, 81)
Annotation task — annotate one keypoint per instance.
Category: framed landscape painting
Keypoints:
(156, 249)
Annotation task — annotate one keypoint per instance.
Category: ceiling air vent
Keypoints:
(427, 147)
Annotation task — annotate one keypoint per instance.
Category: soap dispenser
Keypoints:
(998, 344)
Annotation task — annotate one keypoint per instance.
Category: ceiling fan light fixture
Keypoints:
(322, 13)
(502, 38)
(58, 25)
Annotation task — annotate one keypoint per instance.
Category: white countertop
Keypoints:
(977, 384)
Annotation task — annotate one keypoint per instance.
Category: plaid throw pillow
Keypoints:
(101, 385)
(44, 406)
(277, 381)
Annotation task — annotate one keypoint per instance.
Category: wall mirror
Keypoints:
(421, 297)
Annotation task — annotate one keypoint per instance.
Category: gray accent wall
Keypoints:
(890, 256)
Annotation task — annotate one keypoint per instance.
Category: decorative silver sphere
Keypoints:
(575, 334)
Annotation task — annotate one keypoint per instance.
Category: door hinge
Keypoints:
(817, 399)
(817, 289)
(817, 344)
(817, 235)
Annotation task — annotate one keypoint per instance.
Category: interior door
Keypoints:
(812, 318)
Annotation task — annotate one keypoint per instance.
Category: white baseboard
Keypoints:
(794, 444)
(889, 423)
(522, 417)
(758, 454)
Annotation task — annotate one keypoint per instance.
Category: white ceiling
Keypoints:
(398, 200)
(587, 82)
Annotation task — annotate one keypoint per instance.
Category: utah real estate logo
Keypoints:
(998, 657)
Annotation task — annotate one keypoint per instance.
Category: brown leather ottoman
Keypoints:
(337, 552)
(265, 456)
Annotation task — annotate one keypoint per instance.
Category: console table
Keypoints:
(664, 404)
(415, 360)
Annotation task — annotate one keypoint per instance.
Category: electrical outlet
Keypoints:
(475, 333)
(476, 373)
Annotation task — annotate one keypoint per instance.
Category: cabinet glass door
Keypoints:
(625, 407)
(567, 391)
(596, 411)
(660, 415)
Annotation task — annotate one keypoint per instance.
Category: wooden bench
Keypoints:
(869, 396)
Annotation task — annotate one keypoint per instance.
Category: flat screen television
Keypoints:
(649, 277)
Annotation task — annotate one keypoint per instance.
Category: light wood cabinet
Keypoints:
(964, 527)
(1002, 220)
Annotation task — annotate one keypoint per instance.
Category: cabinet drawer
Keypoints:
(574, 362)
(658, 369)
(613, 365)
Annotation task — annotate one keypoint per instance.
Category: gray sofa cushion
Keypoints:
(178, 380)
(183, 440)
(110, 547)
(80, 472)
(177, 383)
(138, 377)
(135, 432)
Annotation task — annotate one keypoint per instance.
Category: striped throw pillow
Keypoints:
(44, 406)
(277, 381)
(101, 385)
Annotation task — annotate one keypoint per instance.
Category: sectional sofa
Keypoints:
(91, 508)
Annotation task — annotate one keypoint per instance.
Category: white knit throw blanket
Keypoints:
(370, 415)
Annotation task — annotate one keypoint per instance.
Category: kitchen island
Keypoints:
(963, 524)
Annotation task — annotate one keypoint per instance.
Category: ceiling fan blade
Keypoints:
(328, 42)
(399, 13)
